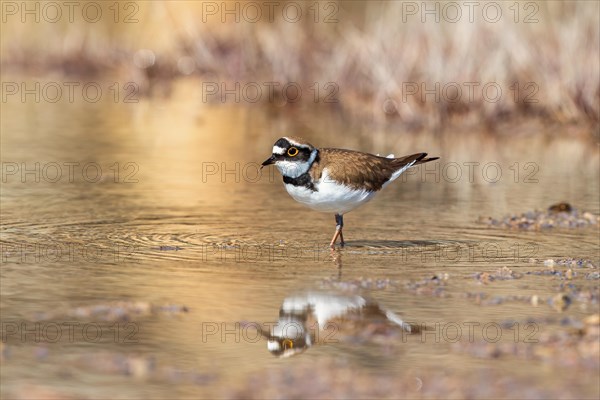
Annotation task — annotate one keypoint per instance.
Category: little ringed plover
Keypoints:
(335, 180)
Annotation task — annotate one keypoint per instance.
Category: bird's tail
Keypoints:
(413, 159)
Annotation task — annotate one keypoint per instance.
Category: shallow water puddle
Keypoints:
(160, 270)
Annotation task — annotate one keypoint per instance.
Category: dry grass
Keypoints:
(375, 53)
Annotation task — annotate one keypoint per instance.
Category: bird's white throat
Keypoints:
(293, 169)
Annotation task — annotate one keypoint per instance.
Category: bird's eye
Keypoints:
(292, 152)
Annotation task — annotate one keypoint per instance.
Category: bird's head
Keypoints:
(292, 156)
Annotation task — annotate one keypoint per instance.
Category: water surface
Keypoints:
(179, 233)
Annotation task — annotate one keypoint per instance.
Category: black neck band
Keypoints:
(302, 180)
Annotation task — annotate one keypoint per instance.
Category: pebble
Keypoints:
(560, 302)
(358, 284)
(503, 273)
(560, 207)
(561, 215)
(569, 274)
(577, 346)
(565, 262)
(169, 248)
(535, 300)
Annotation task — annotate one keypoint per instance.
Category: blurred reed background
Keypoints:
(370, 49)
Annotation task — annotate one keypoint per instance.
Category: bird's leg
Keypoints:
(341, 224)
(339, 220)
(335, 236)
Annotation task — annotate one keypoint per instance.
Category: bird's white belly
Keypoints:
(329, 196)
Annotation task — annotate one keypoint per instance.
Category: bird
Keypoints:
(335, 180)
(316, 318)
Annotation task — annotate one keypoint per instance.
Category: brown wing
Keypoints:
(361, 170)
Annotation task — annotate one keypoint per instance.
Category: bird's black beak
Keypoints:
(268, 161)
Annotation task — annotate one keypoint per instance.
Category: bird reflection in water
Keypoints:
(315, 318)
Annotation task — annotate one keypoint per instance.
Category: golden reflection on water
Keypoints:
(194, 227)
